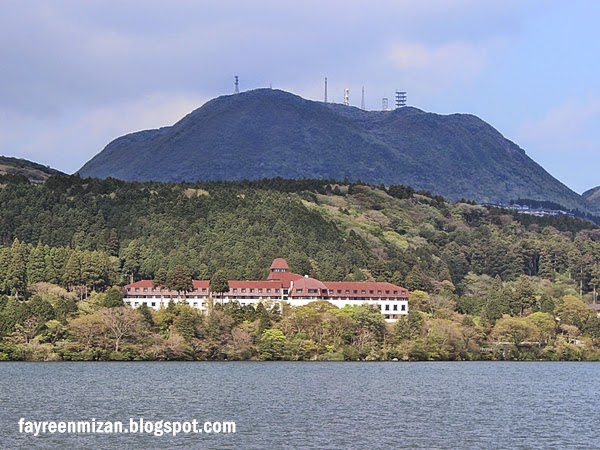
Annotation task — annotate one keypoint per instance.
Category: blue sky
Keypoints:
(76, 75)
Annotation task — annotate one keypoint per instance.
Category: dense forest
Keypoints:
(485, 283)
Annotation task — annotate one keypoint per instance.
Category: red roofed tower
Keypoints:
(280, 271)
(279, 265)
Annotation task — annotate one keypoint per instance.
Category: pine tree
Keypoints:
(72, 275)
(219, 283)
(17, 269)
(113, 243)
(4, 263)
(36, 265)
(180, 280)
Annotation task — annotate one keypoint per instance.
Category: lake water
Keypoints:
(311, 405)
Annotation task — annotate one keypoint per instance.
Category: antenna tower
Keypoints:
(347, 97)
(325, 90)
(362, 101)
(237, 85)
(384, 104)
(400, 99)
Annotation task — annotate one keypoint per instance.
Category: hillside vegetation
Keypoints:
(15, 168)
(484, 283)
(269, 133)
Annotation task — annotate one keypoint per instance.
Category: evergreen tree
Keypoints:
(72, 275)
(180, 280)
(36, 265)
(16, 279)
(113, 243)
(219, 283)
(113, 298)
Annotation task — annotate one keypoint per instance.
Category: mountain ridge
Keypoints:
(592, 196)
(34, 172)
(267, 133)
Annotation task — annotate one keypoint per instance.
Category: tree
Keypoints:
(132, 256)
(16, 278)
(113, 243)
(146, 314)
(524, 295)
(72, 273)
(409, 327)
(219, 283)
(180, 280)
(41, 308)
(121, 323)
(545, 323)
(36, 265)
(516, 330)
(592, 328)
(187, 322)
(88, 330)
(572, 311)
(271, 345)
(113, 298)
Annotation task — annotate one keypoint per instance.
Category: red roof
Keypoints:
(386, 289)
(279, 263)
(306, 284)
(149, 285)
(254, 284)
(285, 278)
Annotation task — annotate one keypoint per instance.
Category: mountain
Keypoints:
(592, 197)
(268, 133)
(34, 172)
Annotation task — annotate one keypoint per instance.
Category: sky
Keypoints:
(75, 75)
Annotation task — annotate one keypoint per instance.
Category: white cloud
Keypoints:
(566, 128)
(71, 141)
(566, 141)
(439, 66)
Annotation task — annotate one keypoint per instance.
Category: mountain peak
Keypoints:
(267, 133)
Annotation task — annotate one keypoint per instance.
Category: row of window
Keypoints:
(153, 304)
(161, 290)
(259, 290)
(268, 291)
(395, 307)
(195, 304)
(347, 291)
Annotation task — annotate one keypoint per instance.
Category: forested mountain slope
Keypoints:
(485, 283)
(326, 229)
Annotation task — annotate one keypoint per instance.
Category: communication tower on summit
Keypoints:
(347, 97)
(362, 101)
(237, 85)
(384, 104)
(400, 99)
(325, 100)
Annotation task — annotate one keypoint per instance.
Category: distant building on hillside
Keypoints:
(281, 286)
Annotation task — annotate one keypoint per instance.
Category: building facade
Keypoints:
(281, 286)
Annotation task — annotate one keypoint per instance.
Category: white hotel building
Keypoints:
(280, 286)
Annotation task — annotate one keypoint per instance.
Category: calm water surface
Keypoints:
(312, 405)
